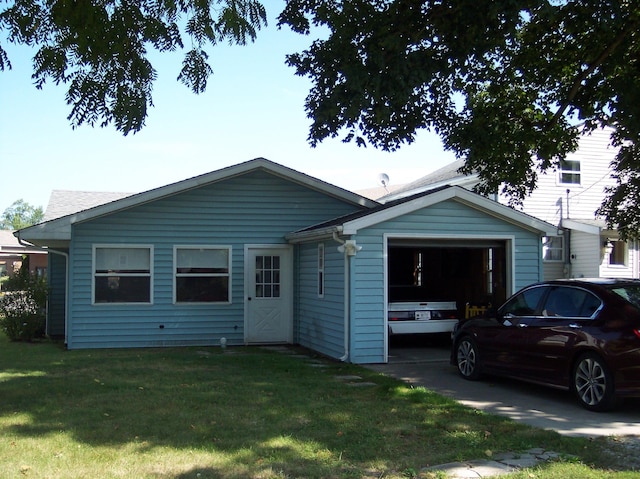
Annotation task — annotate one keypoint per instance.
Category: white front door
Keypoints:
(268, 294)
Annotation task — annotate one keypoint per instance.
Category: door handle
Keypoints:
(575, 326)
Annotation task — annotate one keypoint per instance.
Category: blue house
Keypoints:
(258, 253)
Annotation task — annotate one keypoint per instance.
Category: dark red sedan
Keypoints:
(581, 335)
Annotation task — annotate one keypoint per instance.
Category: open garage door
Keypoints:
(442, 276)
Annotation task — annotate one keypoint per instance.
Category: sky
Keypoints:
(253, 107)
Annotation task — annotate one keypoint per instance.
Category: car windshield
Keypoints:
(630, 292)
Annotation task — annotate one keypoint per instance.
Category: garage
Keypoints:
(408, 269)
(434, 282)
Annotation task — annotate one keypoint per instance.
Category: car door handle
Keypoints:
(523, 325)
(575, 326)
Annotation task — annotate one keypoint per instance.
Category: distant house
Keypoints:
(13, 254)
(258, 253)
(582, 246)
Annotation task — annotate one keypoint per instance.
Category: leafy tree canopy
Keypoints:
(99, 48)
(20, 215)
(508, 84)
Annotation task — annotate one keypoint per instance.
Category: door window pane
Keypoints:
(267, 276)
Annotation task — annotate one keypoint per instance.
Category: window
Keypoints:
(321, 270)
(570, 303)
(122, 274)
(570, 172)
(268, 276)
(553, 248)
(202, 274)
(525, 303)
(618, 254)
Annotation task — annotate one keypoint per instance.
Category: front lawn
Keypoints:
(239, 413)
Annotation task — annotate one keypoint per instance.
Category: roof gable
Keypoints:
(59, 229)
(350, 224)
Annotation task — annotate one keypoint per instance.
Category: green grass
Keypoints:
(239, 413)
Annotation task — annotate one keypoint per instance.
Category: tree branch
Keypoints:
(577, 84)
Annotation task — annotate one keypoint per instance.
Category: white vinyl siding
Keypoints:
(551, 201)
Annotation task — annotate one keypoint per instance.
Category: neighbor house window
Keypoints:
(122, 274)
(321, 270)
(570, 172)
(618, 254)
(553, 248)
(202, 274)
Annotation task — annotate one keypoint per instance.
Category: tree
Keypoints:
(100, 47)
(20, 215)
(509, 85)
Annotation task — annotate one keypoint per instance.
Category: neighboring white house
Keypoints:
(567, 198)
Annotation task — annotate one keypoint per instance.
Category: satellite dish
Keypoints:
(383, 178)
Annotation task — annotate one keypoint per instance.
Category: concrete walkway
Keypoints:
(500, 464)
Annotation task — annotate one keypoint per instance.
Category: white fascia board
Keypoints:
(215, 176)
(313, 235)
(59, 229)
(456, 193)
(582, 227)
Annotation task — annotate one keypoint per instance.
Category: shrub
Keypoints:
(23, 306)
(21, 318)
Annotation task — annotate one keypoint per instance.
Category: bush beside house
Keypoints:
(23, 305)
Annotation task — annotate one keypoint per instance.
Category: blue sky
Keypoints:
(253, 107)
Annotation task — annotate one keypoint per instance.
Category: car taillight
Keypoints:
(636, 332)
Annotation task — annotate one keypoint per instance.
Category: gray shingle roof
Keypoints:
(66, 202)
(441, 175)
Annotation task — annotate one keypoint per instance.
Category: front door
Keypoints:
(269, 294)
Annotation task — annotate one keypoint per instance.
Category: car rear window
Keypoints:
(630, 292)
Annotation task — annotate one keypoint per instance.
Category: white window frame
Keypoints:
(321, 260)
(176, 275)
(615, 251)
(565, 173)
(547, 248)
(95, 274)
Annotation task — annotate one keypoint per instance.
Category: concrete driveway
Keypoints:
(428, 366)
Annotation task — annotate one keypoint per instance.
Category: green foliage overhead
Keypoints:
(20, 215)
(99, 48)
(508, 85)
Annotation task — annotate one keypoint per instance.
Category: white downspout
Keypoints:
(347, 299)
(66, 277)
(349, 248)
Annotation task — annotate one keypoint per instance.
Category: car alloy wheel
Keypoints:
(593, 383)
(467, 358)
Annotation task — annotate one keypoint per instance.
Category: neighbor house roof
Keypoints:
(66, 202)
(350, 224)
(447, 175)
(57, 231)
(9, 245)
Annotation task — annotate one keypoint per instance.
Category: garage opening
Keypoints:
(431, 282)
